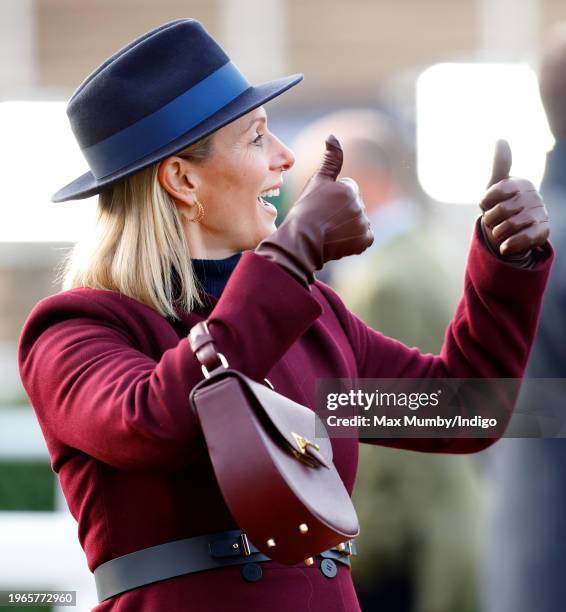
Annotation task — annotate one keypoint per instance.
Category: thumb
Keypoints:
(332, 161)
(502, 161)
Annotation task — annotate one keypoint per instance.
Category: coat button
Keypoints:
(328, 568)
(251, 572)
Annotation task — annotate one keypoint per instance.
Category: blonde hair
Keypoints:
(138, 247)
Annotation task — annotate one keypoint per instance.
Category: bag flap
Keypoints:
(295, 422)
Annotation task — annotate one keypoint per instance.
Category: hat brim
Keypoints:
(88, 185)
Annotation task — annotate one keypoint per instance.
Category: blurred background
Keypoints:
(417, 92)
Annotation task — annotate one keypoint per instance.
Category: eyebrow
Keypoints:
(256, 120)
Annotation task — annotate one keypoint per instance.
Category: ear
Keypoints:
(176, 176)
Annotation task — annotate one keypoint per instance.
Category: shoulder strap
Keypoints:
(203, 346)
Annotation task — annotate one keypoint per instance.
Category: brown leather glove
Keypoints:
(514, 219)
(328, 221)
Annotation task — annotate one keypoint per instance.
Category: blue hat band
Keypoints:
(168, 123)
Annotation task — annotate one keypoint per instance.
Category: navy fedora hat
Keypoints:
(154, 97)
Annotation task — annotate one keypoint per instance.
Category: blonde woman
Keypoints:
(180, 154)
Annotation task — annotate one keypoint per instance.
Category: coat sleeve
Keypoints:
(94, 390)
(490, 335)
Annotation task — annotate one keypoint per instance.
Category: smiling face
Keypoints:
(247, 159)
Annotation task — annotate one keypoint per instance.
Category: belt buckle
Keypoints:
(245, 544)
(345, 547)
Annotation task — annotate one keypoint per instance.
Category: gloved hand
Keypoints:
(328, 221)
(514, 219)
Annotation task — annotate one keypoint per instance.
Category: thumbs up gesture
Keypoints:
(328, 221)
(514, 216)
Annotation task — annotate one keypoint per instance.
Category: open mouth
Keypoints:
(268, 206)
(271, 193)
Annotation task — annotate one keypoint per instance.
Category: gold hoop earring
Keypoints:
(200, 213)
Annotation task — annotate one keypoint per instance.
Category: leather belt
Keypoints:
(210, 551)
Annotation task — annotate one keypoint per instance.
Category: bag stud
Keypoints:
(345, 547)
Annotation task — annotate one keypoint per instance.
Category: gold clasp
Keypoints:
(303, 442)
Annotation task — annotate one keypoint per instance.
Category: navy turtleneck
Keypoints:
(214, 273)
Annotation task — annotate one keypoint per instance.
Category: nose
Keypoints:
(284, 158)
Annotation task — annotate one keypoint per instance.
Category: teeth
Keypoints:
(272, 193)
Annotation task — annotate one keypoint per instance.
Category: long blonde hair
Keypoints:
(138, 246)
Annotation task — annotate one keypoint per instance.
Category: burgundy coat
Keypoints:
(109, 379)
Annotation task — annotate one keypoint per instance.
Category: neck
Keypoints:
(212, 253)
(204, 244)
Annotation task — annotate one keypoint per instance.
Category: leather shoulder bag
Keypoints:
(281, 486)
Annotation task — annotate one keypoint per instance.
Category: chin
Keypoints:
(260, 226)
(268, 230)
(261, 234)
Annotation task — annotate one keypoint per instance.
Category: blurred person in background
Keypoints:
(421, 510)
(525, 566)
(399, 285)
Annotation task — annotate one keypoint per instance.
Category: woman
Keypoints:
(179, 151)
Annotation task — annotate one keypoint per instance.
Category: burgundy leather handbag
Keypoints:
(281, 487)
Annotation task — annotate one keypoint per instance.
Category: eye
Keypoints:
(257, 140)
